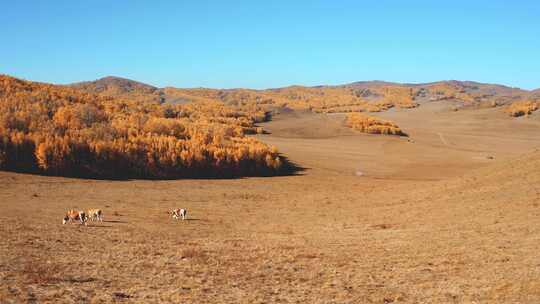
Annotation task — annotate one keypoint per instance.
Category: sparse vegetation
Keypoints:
(193, 253)
(316, 99)
(38, 271)
(372, 125)
(369, 97)
(445, 91)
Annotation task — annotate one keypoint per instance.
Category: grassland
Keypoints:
(448, 215)
(427, 222)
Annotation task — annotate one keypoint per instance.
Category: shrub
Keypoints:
(372, 125)
(521, 108)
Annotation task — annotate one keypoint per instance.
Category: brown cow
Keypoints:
(73, 215)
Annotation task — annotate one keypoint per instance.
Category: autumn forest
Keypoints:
(58, 130)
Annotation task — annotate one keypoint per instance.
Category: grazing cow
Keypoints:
(73, 215)
(95, 215)
(179, 213)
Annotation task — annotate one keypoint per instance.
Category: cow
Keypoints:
(73, 215)
(95, 215)
(179, 213)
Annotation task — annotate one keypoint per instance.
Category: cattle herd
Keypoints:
(83, 217)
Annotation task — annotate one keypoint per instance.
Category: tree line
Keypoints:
(58, 130)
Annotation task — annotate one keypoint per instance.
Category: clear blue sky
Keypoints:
(260, 44)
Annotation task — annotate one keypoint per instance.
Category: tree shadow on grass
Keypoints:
(291, 168)
(288, 168)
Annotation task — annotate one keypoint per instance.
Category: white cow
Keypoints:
(179, 213)
(95, 215)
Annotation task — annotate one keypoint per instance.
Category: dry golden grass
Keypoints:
(403, 242)
(42, 272)
(427, 223)
(372, 125)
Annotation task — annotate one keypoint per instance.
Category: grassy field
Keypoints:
(449, 215)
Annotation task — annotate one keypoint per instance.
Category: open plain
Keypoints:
(448, 215)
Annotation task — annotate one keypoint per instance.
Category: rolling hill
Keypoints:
(448, 215)
(363, 96)
(114, 85)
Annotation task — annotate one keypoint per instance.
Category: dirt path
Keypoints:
(442, 139)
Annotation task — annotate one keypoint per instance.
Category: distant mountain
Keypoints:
(467, 86)
(487, 88)
(370, 84)
(112, 85)
(371, 96)
(118, 87)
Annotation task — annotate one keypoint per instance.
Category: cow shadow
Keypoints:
(115, 221)
(99, 226)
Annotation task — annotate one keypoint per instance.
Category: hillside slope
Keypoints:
(363, 96)
(118, 87)
(114, 85)
(308, 239)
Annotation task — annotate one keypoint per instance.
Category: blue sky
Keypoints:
(261, 44)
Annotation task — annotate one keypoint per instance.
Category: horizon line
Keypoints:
(403, 83)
